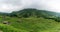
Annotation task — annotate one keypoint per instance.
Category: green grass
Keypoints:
(30, 25)
(7, 28)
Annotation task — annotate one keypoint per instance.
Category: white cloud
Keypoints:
(9, 7)
(14, 5)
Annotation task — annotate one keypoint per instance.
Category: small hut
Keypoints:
(6, 22)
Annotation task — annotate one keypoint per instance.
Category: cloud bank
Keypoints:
(15, 5)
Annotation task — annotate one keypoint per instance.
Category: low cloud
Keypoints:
(15, 5)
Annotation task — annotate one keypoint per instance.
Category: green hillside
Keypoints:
(30, 20)
(33, 12)
(30, 25)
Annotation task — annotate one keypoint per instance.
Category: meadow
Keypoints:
(30, 24)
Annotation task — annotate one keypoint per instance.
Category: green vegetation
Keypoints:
(33, 12)
(29, 25)
(7, 28)
(30, 20)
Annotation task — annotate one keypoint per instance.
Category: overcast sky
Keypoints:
(15, 5)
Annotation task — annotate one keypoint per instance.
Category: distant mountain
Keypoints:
(4, 14)
(34, 13)
(25, 13)
(58, 14)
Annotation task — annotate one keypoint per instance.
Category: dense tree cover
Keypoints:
(35, 13)
(25, 13)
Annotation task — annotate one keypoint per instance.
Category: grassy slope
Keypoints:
(7, 28)
(30, 25)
